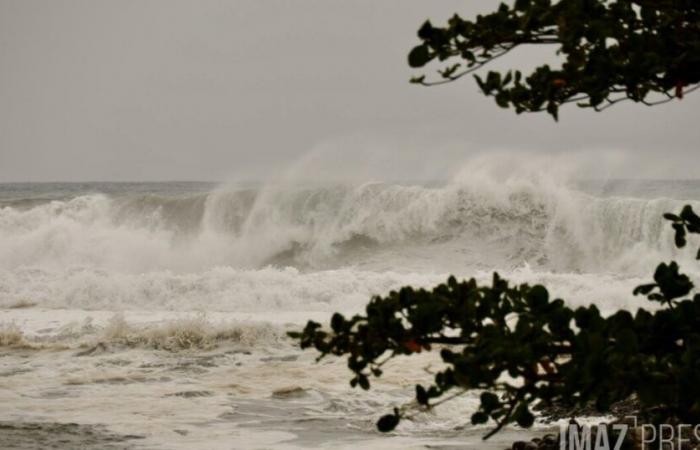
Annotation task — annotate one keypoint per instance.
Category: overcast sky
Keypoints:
(242, 89)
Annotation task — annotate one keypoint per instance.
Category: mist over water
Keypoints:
(325, 236)
(182, 292)
(201, 246)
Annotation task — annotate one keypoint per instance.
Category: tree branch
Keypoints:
(472, 69)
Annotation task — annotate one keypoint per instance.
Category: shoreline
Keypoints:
(71, 387)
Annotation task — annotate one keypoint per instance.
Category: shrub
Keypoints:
(519, 347)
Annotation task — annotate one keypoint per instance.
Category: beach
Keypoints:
(154, 315)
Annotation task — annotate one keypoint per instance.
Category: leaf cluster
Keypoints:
(612, 50)
(518, 346)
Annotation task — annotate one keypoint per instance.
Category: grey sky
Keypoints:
(212, 90)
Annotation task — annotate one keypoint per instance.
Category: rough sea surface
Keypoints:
(153, 315)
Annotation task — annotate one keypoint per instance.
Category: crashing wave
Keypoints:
(506, 224)
(192, 332)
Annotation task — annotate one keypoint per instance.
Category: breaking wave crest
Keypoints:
(493, 224)
(190, 332)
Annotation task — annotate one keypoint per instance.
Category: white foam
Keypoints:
(524, 218)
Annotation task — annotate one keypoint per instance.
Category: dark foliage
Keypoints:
(612, 50)
(519, 346)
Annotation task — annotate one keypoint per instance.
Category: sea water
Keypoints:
(157, 313)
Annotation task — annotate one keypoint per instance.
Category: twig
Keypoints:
(659, 102)
(468, 71)
(447, 399)
(504, 421)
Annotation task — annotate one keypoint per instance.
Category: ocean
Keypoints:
(154, 315)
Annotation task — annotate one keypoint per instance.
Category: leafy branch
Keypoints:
(519, 347)
(637, 48)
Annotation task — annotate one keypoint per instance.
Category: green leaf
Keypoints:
(469, 56)
(502, 99)
(387, 423)
(538, 297)
(421, 395)
(679, 236)
(364, 382)
(644, 289)
(337, 322)
(523, 416)
(419, 56)
(507, 79)
(489, 401)
(553, 110)
(426, 30)
(479, 418)
(689, 215)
